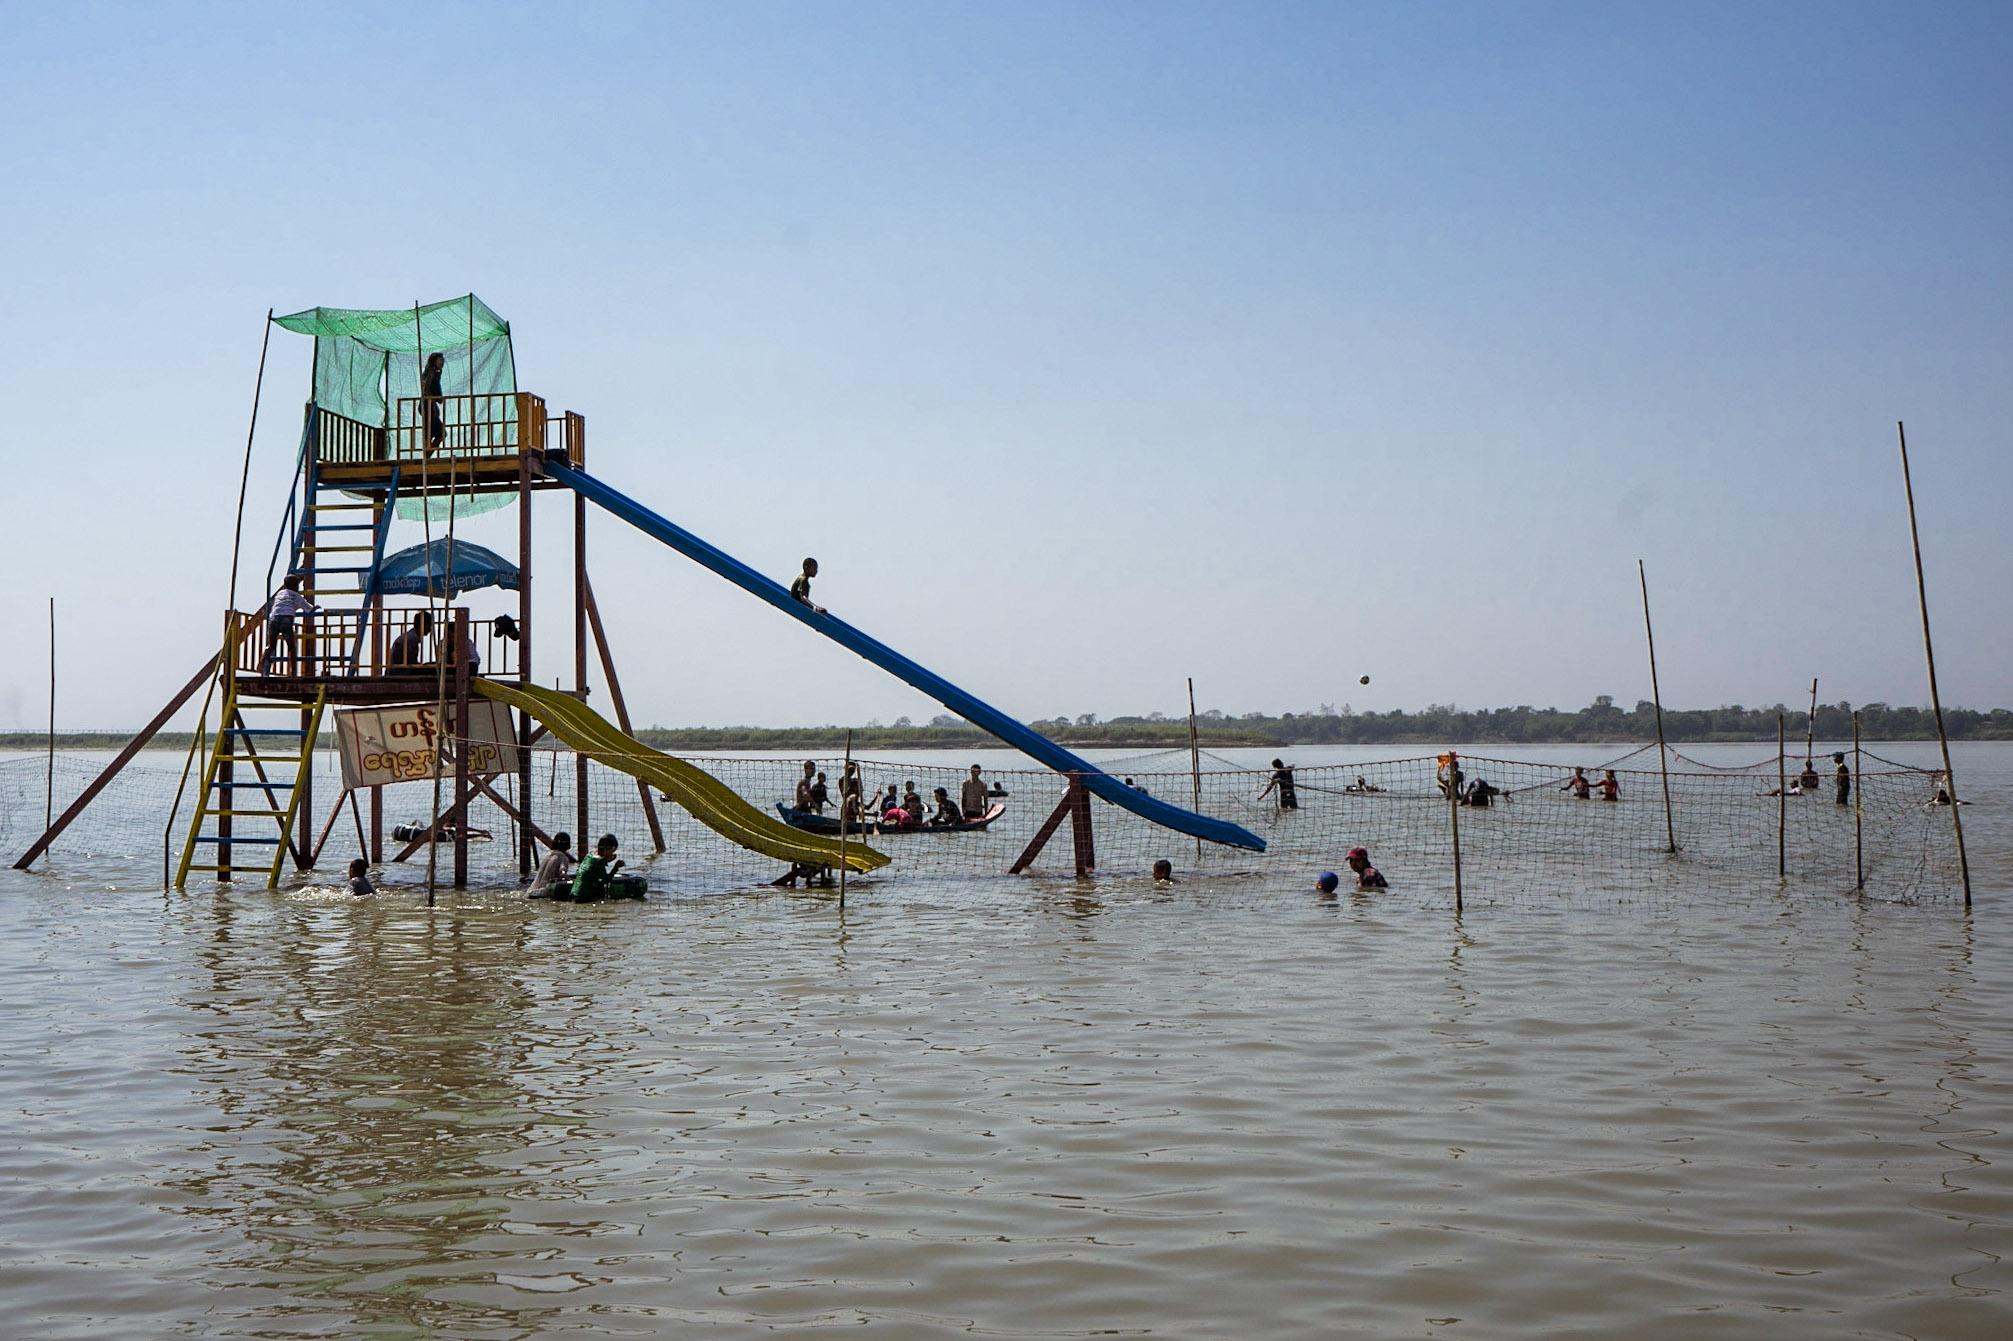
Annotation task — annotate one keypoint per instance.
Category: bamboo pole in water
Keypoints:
(1454, 820)
(1810, 726)
(49, 779)
(1657, 698)
(1194, 762)
(1781, 804)
(1858, 811)
(245, 474)
(1929, 654)
(845, 772)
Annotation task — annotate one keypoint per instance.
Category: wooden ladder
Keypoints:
(218, 808)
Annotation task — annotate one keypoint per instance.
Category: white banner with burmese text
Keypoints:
(383, 745)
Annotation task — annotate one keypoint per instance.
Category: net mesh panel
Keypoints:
(1535, 843)
(366, 358)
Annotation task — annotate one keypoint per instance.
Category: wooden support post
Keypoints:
(304, 786)
(1657, 698)
(119, 761)
(1080, 832)
(464, 640)
(1781, 804)
(580, 664)
(1858, 811)
(621, 709)
(524, 491)
(1063, 810)
(376, 826)
(1929, 655)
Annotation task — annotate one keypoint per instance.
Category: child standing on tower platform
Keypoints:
(286, 606)
(431, 401)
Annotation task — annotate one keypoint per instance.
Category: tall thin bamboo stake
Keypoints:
(1657, 698)
(1858, 811)
(440, 662)
(49, 779)
(245, 474)
(1929, 655)
(1194, 761)
(1454, 820)
(1781, 804)
(844, 773)
(1810, 726)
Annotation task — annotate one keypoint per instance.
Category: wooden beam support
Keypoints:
(321, 839)
(580, 816)
(119, 761)
(1074, 806)
(1082, 841)
(621, 708)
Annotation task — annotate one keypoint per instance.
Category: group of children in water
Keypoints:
(559, 876)
(894, 809)
(596, 877)
(1582, 787)
(1358, 862)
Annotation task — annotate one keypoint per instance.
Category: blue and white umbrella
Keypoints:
(423, 569)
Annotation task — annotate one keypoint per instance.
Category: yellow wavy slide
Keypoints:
(712, 802)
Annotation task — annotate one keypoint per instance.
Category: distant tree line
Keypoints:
(1599, 722)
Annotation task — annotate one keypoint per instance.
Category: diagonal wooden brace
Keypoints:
(1074, 807)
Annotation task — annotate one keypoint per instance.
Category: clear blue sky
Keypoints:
(1088, 346)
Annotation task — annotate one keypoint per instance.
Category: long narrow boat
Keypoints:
(829, 824)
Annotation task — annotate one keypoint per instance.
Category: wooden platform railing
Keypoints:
(343, 441)
(487, 424)
(323, 644)
(494, 423)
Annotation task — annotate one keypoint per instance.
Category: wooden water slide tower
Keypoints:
(416, 423)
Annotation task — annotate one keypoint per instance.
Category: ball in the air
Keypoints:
(1364, 680)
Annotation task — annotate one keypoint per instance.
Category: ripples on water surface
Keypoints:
(1020, 1110)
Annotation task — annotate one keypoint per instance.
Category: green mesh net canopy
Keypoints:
(366, 359)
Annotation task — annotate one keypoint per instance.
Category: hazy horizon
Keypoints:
(1089, 347)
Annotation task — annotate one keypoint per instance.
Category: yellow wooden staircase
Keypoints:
(275, 779)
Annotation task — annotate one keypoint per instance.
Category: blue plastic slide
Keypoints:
(979, 713)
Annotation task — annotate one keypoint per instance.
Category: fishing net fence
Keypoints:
(1535, 840)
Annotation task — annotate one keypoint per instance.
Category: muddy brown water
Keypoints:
(1036, 1109)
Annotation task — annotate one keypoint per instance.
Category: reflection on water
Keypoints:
(1039, 1109)
(377, 1130)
